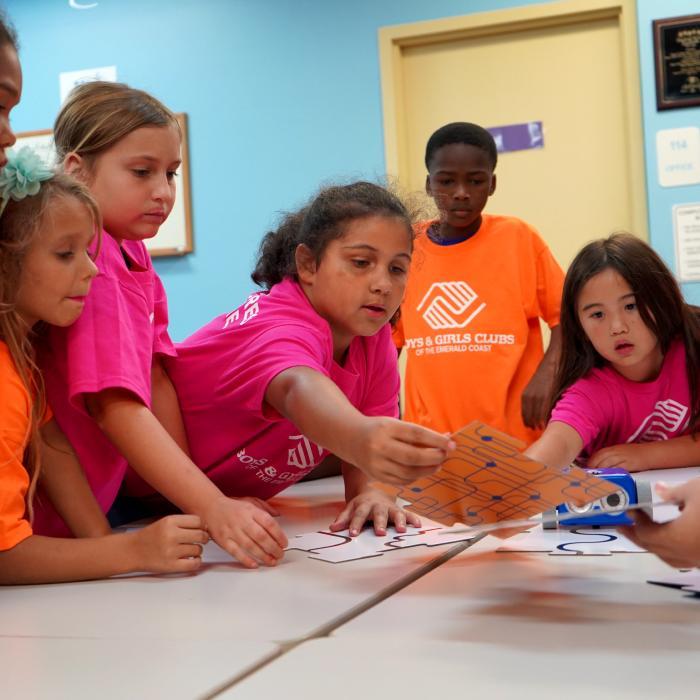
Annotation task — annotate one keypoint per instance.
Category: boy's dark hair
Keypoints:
(8, 34)
(318, 223)
(658, 298)
(461, 132)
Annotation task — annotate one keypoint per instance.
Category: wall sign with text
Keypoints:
(677, 61)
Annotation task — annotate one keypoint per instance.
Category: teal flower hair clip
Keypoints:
(22, 176)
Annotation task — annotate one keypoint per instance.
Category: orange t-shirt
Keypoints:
(470, 325)
(15, 411)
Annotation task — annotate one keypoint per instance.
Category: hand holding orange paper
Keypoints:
(486, 480)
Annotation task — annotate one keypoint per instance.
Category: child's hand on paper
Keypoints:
(676, 542)
(396, 452)
(246, 529)
(169, 545)
(381, 509)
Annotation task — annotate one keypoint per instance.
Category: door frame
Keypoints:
(394, 39)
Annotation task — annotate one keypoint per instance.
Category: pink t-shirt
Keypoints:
(221, 374)
(606, 409)
(111, 345)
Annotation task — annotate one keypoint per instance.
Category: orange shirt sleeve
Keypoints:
(14, 479)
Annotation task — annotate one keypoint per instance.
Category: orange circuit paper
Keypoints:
(487, 479)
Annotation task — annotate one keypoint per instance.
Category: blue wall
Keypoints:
(661, 199)
(282, 95)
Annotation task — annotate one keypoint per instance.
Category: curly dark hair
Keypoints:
(318, 223)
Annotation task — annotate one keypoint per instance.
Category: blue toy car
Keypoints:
(608, 511)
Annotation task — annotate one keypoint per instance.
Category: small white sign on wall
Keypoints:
(686, 229)
(68, 80)
(678, 156)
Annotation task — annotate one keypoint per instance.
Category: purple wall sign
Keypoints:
(517, 137)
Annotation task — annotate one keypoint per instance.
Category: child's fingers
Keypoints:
(272, 530)
(198, 536)
(380, 518)
(191, 536)
(239, 553)
(263, 542)
(673, 494)
(257, 550)
(412, 519)
(342, 519)
(189, 550)
(398, 515)
(418, 435)
(182, 566)
(415, 456)
(359, 518)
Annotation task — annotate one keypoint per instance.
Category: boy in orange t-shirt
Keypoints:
(477, 288)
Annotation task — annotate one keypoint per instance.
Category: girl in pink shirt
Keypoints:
(104, 374)
(47, 225)
(627, 385)
(307, 367)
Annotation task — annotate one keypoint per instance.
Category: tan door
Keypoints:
(567, 70)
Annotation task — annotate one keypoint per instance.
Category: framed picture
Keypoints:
(175, 235)
(677, 61)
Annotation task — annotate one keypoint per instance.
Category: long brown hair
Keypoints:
(20, 224)
(658, 298)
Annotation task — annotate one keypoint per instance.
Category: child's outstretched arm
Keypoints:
(536, 396)
(557, 447)
(384, 448)
(243, 529)
(171, 545)
(663, 454)
(676, 542)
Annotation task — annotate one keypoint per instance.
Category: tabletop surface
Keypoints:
(412, 620)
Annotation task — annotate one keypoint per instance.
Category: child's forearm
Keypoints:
(553, 351)
(53, 560)
(558, 446)
(151, 451)
(165, 405)
(318, 408)
(355, 481)
(385, 448)
(63, 480)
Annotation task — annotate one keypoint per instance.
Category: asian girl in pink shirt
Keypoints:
(626, 393)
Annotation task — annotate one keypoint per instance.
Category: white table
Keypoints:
(34, 668)
(579, 626)
(181, 636)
